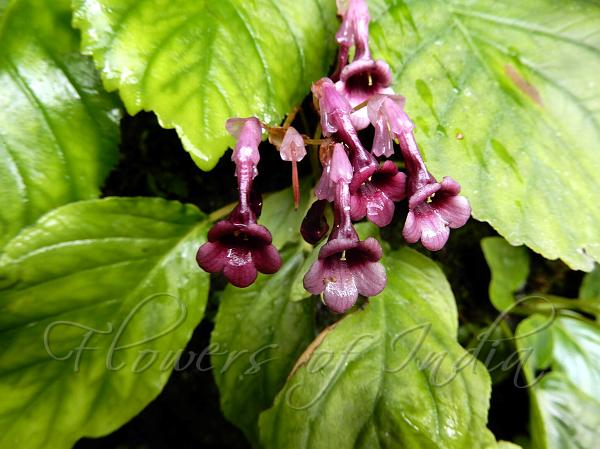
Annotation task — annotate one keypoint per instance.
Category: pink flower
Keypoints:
(335, 120)
(346, 267)
(375, 198)
(359, 81)
(386, 114)
(433, 208)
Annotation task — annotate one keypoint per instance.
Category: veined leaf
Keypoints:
(99, 297)
(565, 401)
(391, 375)
(506, 99)
(196, 63)
(259, 334)
(58, 128)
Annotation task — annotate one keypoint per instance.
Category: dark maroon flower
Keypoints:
(314, 226)
(238, 246)
(346, 267)
(238, 250)
(375, 198)
(433, 207)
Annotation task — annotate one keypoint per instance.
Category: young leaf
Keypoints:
(509, 266)
(99, 297)
(197, 63)
(391, 375)
(504, 104)
(564, 401)
(259, 334)
(58, 129)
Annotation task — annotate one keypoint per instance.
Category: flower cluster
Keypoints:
(356, 182)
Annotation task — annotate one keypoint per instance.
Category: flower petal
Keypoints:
(239, 268)
(380, 209)
(370, 278)
(412, 228)
(211, 257)
(266, 259)
(455, 210)
(313, 279)
(340, 292)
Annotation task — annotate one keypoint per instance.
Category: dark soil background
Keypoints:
(186, 414)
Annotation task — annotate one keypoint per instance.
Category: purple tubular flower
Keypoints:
(386, 114)
(238, 246)
(346, 267)
(375, 198)
(433, 207)
(248, 132)
(335, 119)
(315, 226)
(359, 81)
(335, 169)
(238, 250)
(354, 31)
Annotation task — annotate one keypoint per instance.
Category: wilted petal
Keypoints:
(341, 169)
(386, 114)
(248, 132)
(292, 148)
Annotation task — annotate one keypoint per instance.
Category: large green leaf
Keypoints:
(98, 298)
(391, 375)
(58, 129)
(565, 402)
(258, 336)
(590, 287)
(280, 217)
(506, 99)
(509, 266)
(196, 63)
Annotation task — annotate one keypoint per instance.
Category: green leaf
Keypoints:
(503, 103)
(280, 217)
(509, 266)
(565, 402)
(58, 128)
(259, 334)
(388, 376)
(197, 63)
(590, 287)
(102, 297)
